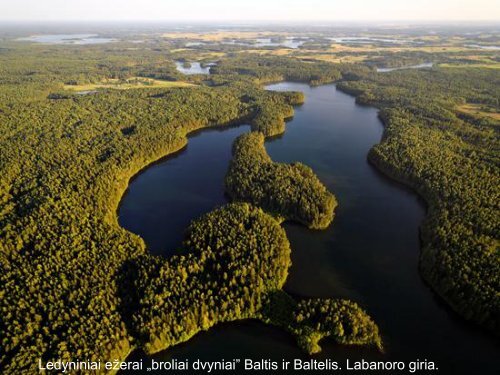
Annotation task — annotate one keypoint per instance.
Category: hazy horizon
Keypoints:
(255, 11)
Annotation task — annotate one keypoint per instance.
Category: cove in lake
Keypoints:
(369, 254)
(162, 201)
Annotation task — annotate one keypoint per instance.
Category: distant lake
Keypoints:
(195, 68)
(195, 44)
(86, 92)
(289, 42)
(368, 40)
(417, 66)
(78, 39)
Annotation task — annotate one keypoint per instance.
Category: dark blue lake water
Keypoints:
(370, 253)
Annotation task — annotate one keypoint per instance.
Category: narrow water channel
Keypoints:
(370, 253)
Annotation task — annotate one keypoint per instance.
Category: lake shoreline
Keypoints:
(399, 184)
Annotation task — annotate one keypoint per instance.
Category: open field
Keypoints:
(488, 66)
(220, 35)
(131, 83)
(274, 52)
(332, 58)
(479, 111)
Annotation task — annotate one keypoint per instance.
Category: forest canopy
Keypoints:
(67, 268)
(451, 159)
(73, 283)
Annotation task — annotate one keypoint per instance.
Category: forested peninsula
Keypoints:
(290, 191)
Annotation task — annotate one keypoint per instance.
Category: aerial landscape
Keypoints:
(210, 188)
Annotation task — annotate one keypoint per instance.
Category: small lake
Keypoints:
(417, 66)
(369, 40)
(76, 39)
(481, 46)
(195, 68)
(195, 44)
(369, 254)
(287, 42)
(86, 92)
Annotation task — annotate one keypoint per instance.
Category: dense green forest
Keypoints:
(231, 258)
(266, 70)
(65, 165)
(233, 263)
(452, 160)
(292, 191)
(68, 270)
(311, 320)
(272, 109)
(74, 284)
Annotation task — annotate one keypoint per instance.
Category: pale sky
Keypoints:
(250, 10)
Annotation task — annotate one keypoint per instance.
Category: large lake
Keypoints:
(370, 253)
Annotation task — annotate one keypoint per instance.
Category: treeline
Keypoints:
(452, 161)
(267, 69)
(291, 191)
